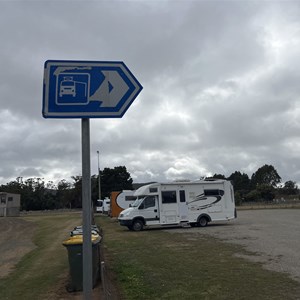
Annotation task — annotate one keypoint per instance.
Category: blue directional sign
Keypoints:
(87, 89)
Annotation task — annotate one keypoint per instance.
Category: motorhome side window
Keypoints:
(168, 197)
(182, 196)
(213, 192)
(149, 202)
(153, 190)
(130, 198)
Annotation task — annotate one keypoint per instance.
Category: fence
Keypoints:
(276, 203)
(109, 290)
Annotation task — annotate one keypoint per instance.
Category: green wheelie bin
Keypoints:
(74, 247)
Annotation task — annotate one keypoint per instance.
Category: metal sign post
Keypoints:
(86, 210)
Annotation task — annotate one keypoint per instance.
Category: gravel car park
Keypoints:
(272, 235)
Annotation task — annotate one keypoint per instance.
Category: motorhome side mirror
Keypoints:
(142, 206)
(130, 205)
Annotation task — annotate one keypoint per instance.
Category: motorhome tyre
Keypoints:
(203, 221)
(137, 225)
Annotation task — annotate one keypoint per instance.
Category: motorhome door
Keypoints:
(182, 206)
(169, 207)
(149, 210)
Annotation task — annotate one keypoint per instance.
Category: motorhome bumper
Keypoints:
(125, 222)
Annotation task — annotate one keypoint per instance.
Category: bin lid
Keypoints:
(80, 232)
(78, 240)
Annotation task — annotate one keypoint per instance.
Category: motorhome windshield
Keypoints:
(137, 202)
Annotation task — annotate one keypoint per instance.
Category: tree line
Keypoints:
(36, 194)
(264, 185)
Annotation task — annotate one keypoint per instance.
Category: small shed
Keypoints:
(10, 204)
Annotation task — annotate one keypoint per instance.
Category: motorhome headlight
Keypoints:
(124, 214)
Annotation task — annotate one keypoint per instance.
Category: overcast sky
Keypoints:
(221, 86)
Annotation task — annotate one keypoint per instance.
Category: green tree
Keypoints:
(241, 186)
(116, 179)
(239, 198)
(266, 192)
(252, 196)
(64, 194)
(240, 182)
(266, 175)
(290, 188)
(218, 176)
(14, 187)
(76, 195)
(95, 189)
(37, 195)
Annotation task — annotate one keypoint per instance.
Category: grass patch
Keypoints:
(43, 268)
(159, 264)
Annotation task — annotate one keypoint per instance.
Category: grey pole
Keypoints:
(86, 210)
(99, 181)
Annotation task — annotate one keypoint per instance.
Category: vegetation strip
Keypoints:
(263, 186)
(164, 264)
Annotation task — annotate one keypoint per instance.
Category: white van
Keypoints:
(103, 206)
(180, 203)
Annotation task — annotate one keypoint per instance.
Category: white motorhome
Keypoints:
(103, 206)
(180, 203)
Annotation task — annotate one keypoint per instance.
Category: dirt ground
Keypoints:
(16, 240)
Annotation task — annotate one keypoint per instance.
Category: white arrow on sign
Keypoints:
(111, 90)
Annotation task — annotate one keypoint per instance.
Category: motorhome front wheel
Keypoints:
(137, 225)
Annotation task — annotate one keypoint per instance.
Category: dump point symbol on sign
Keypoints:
(72, 89)
(82, 89)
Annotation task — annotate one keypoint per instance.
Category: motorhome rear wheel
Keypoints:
(203, 222)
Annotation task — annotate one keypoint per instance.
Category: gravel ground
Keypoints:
(271, 234)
